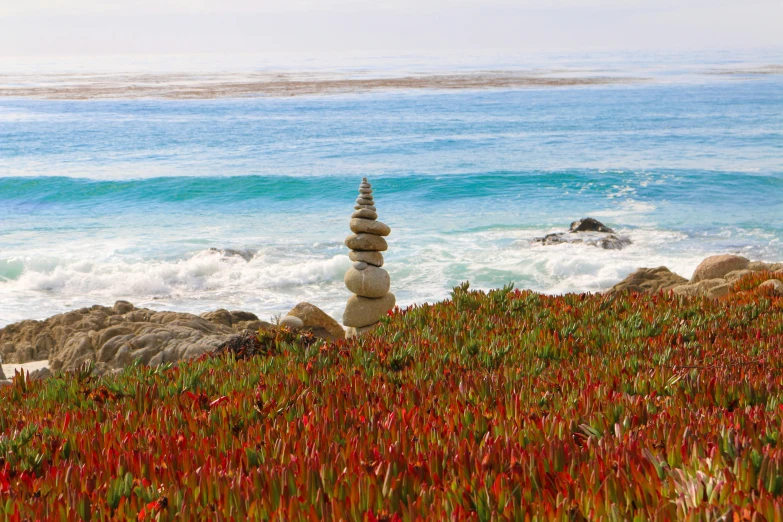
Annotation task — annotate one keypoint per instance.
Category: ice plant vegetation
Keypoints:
(507, 405)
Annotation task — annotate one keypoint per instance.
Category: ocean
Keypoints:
(195, 203)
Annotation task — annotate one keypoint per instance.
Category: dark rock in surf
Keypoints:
(588, 231)
(589, 225)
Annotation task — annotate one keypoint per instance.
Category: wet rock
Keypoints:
(605, 241)
(587, 231)
(589, 225)
(247, 255)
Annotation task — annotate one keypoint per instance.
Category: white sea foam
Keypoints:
(422, 268)
(199, 282)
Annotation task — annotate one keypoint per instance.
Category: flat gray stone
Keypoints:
(364, 214)
(360, 265)
(369, 226)
(366, 242)
(371, 258)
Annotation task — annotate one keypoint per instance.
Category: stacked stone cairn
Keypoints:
(366, 279)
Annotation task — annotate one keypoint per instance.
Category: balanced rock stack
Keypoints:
(366, 278)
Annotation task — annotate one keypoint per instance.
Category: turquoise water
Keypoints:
(146, 199)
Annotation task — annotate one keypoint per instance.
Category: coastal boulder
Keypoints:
(649, 280)
(317, 321)
(774, 286)
(718, 266)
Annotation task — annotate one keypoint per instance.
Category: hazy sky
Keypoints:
(51, 27)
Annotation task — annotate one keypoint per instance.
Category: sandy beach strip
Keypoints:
(10, 369)
(192, 86)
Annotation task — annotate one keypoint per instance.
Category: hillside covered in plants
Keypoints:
(507, 405)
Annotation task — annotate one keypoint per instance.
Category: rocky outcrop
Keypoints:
(115, 337)
(714, 277)
(366, 279)
(649, 280)
(588, 231)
